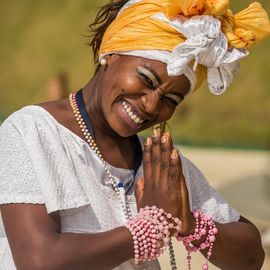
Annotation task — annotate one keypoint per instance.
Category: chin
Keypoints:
(124, 133)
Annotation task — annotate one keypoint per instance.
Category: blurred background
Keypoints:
(44, 56)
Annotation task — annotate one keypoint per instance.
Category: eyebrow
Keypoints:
(156, 75)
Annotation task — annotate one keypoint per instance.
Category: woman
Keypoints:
(70, 168)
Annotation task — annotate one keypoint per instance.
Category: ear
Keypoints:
(107, 60)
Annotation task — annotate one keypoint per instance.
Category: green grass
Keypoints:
(42, 38)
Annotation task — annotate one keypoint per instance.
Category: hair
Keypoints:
(105, 16)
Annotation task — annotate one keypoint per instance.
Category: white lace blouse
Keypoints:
(42, 162)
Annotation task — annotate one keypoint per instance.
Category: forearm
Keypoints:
(85, 251)
(237, 246)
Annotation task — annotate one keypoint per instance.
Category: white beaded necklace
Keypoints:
(119, 190)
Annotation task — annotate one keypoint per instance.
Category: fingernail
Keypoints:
(154, 132)
(147, 141)
(163, 139)
(167, 134)
(174, 154)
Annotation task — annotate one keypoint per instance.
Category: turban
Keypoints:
(198, 38)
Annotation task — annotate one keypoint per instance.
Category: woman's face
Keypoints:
(136, 93)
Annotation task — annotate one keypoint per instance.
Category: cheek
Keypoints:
(166, 113)
(129, 83)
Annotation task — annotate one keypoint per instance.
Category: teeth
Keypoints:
(137, 120)
(132, 115)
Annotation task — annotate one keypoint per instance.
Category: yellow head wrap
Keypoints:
(155, 29)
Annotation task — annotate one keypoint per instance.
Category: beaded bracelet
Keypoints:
(151, 230)
(204, 225)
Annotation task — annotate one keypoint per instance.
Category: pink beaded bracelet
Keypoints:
(151, 231)
(204, 226)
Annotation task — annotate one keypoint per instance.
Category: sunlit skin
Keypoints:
(142, 83)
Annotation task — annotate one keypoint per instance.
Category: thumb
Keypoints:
(139, 188)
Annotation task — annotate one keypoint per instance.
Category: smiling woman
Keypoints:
(141, 84)
(89, 193)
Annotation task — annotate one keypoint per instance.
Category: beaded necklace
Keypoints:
(117, 187)
(134, 138)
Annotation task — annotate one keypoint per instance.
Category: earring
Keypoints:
(103, 61)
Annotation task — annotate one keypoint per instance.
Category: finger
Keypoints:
(173, 183)
(147, 161)
(179, 167)
(165, 162)
(168, 134)
(156, 156)
(184, 197)
(183, 189)
(139, 189)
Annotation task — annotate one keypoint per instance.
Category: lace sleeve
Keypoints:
(39, 164)
(203, 196)
(18, 183)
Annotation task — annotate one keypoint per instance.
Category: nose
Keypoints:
(151, 102)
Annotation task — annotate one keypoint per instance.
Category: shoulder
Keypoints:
(27, 120)
(28, 112)
(48, 115)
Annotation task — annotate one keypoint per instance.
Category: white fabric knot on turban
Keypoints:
(207, 45)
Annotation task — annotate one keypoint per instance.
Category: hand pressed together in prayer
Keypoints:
(163, 183)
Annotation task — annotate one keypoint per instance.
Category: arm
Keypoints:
(237, 246)
(37, 243)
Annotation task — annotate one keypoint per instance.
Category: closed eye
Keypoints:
(147, 81)
(173, 100)
(151, 81)
(147, 77)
